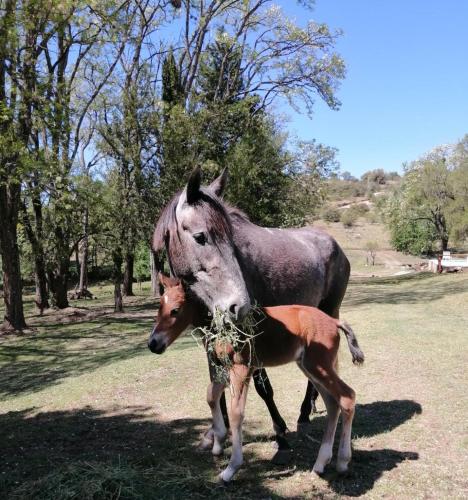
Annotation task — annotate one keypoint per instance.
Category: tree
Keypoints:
(371, 248)
(431, 204)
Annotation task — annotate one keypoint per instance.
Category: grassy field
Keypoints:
(86, 411)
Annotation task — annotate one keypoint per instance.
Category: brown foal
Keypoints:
(302, 334)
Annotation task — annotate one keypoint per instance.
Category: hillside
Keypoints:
(353, 240)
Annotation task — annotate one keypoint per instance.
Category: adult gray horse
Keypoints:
(229, 263)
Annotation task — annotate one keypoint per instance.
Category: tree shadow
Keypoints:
(30, 363)
(36, 445)
(426, 290)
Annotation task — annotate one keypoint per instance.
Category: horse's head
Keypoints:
(175, 314)
(196, 231)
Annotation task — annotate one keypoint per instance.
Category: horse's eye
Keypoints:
(175, 312)
(200, 238)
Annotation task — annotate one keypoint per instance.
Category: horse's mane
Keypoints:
(219, 215)
(163, 223)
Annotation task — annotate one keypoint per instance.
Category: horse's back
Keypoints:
(295, 266)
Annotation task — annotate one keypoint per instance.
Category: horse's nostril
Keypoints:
(234, 310)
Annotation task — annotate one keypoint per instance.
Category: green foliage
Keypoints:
(432, 203)
(172, 90)
(142, 269)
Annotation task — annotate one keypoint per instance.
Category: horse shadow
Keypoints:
(162, 455)
(367, 466)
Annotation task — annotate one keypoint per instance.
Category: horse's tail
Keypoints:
(356, 353)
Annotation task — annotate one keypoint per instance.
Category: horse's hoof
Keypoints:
(342, 467)
(217, 450)
(318, 470)
(282, 457)
(303, 427)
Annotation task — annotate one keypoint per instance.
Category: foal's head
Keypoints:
(175, 314)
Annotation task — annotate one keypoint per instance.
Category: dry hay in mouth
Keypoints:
(223, 336)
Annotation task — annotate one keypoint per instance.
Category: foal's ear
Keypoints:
(162, 282)
(219, 184)
(193, 186)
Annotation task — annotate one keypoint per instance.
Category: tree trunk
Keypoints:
(84, 266)
(128, 275)
(83, 285)
(60, 285)
(12, 287)
(77, 260)
(444, 242)
(41, 299)
(60, 277)
(35, 239)
(117, 278)
(154, 273)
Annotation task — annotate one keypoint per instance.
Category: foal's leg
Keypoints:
(333, 412)
(265, 391)
(339, 395)
(239, 377)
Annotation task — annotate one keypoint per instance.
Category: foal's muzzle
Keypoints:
(156, 345)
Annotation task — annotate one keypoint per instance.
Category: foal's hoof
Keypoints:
(221, 482)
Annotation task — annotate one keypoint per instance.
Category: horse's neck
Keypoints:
(197, 312)
(253, 256)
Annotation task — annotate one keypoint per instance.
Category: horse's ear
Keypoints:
(193, 186)
(219, 184)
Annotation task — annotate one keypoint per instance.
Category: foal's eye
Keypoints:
(200, 238)
(175, 312)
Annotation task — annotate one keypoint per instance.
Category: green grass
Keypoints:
(86, 411)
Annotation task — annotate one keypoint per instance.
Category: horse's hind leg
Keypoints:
(265, 391)
(308, 405)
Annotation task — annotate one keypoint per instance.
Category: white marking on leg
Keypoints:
(325, 453)
(239, 385)
(344, 450)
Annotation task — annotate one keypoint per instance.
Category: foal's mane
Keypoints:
(219, 215)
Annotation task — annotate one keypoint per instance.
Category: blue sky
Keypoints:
(406, 88)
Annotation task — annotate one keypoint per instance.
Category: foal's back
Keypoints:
(285, 331)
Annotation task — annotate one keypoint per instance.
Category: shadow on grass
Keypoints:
(425, 289)
(34, 446)
(33, 362)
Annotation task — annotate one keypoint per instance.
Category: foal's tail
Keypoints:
(356, 353)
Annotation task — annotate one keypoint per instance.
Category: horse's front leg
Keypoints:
(215, 436)
(239, 383)
(217, 402)
(265, 391)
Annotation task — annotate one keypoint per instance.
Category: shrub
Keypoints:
(330, 214)
(349, 218)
